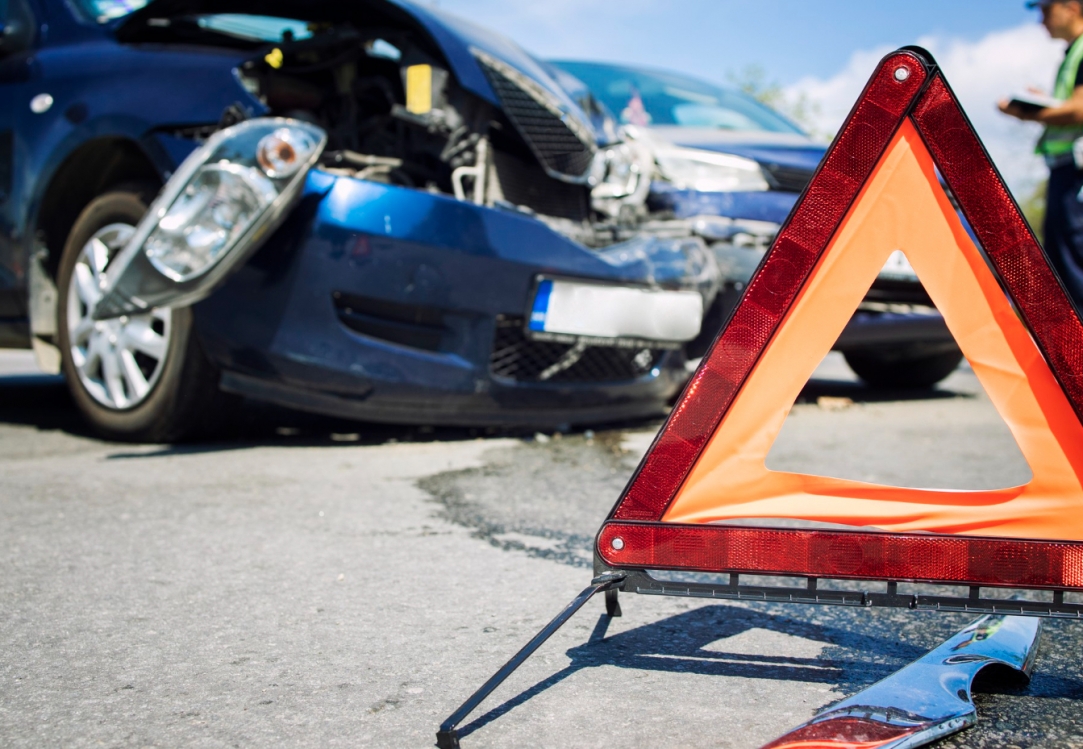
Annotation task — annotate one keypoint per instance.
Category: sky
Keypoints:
(824, 50)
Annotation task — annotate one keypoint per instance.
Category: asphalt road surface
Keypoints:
(307, 582)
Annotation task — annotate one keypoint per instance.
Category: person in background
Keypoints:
(1063, 227)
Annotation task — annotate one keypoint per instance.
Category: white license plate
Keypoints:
(598, 311)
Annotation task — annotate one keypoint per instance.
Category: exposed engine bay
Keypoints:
(395, 114)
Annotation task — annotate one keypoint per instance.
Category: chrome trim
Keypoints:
(930, 698)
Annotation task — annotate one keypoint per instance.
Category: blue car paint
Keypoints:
(568, 90)
(272, 328)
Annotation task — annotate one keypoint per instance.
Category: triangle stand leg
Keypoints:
(448, 735)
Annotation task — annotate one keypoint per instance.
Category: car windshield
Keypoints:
(104, 11)
(641, 97)
(244, 26)
(256, 28)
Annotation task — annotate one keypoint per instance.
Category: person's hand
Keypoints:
(1016, 111)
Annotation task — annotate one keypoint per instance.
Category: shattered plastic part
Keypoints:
(927, 700)
(671, 263)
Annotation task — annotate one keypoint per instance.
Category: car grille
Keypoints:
(527, 185)
(564, 146)
(516, 357)
(787, 178)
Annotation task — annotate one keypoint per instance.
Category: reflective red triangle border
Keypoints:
(922, 94)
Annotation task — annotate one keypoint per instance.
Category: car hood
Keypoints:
(455, 37)
(780, 149)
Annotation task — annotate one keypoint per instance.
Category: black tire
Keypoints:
(184, 400)
(902, 368)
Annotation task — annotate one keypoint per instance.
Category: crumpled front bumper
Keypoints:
(391, 304)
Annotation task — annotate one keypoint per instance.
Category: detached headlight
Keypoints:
(692, 169)
(227, 193)
(218, 206)
(212, 214)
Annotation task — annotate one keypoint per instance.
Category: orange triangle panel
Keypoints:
(876, 192)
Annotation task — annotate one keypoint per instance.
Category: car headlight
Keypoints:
(693, 169)
(621, 178)
(221, 203)
(227, 194)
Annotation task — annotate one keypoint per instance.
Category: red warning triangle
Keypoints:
(877, 191)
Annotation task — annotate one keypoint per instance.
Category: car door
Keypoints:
(18, 32)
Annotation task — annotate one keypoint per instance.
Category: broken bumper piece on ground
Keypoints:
(930, 698)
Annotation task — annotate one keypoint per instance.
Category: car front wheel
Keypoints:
(137, 377)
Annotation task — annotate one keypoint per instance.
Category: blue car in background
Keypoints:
(372, 210)
(735, 168)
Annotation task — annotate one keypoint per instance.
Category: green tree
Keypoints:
(753, 80)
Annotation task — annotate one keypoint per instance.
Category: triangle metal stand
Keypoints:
(448, 735)
(612, 581)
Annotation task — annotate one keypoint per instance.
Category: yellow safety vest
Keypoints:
(1057, 140)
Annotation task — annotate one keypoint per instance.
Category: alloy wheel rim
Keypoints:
(118, 360)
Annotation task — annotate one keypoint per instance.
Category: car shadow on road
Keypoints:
(43, 402)
(858, 392)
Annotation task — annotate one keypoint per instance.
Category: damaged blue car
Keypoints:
(371, 210)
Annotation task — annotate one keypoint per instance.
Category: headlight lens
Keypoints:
(228, 192)
(621, 175)
(217, 207)
(691, 169)
(616, 172)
